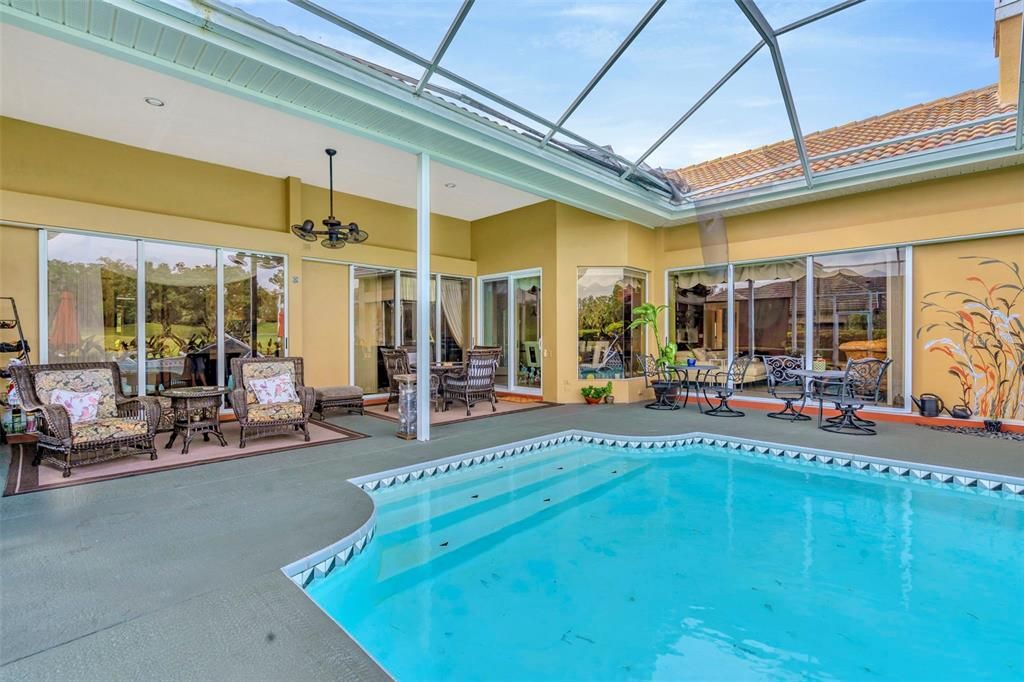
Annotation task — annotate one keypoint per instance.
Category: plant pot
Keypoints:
(665, 391)
(993, 425)
(592, 401)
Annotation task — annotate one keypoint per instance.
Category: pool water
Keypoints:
(585, 562)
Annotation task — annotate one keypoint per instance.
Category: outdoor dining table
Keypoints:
(692, 377)
(824, 377)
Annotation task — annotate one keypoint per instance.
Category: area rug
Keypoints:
(25, 478)
(457, 413)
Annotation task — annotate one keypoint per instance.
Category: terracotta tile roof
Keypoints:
(962, 108)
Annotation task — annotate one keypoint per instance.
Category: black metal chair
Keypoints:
(862, 385)
(786, 386)
(665, 382)
(725, 383)
(396, 361)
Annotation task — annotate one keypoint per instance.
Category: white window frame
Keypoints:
(512, 343)
(140, 292)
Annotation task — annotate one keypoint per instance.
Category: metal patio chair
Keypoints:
(786, 386)
(724, 388)
(861, 386)
(665, 382)
(396, 361)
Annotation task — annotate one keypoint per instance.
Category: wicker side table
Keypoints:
(196, 410)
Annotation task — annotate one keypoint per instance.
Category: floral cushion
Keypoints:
(273, 412)
(264, 370)
(106, 429)
(79, 381)
(81, 407)
(279, 389)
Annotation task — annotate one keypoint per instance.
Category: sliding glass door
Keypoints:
(831, 307)
(384, 317)
(510, 319)
(171, 315)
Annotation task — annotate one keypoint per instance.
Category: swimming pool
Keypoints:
(584, 561)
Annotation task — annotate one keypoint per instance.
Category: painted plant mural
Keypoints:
(983, 334)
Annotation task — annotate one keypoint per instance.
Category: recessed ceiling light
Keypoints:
(450, 185)
(153, 101)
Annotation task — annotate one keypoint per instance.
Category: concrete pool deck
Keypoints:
(176, 575)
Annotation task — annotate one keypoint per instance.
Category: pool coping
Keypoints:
(322, 563)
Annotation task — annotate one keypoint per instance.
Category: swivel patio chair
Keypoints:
(258, 419)
(120, 426)
(475, 383)
(396, 361)
(785, 386)
(862, 386)
(724, 388)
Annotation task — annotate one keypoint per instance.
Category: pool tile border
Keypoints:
(322, 563)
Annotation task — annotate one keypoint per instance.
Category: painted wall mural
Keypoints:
(979, 329)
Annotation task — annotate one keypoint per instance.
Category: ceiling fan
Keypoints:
(337, 233)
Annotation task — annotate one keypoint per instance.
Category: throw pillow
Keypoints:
(277, 389)
(81, 407)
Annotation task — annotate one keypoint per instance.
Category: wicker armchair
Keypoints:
(124, 426)
(475, 382)
(396, 361)
(258, 420)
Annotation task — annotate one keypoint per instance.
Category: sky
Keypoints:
(869, 59)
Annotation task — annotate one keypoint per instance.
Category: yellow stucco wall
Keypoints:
(969, 324)
(524, 239)
(325, 347)
(104, 187)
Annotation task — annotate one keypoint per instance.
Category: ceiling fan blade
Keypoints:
(299, 232)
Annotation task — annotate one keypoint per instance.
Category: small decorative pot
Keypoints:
(609, 399)
(993, 425)
(592, 401)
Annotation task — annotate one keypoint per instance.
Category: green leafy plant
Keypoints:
(646, 315)
(597, 392)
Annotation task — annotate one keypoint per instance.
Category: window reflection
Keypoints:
(181, 317)
(91, 302)
(605, 298)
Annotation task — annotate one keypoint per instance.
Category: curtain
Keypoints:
(687, 279)
(451, 308)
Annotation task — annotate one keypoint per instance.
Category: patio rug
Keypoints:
(25, 478)
(457, 412)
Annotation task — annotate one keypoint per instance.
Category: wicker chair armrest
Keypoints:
(145, 406)
(55, 420)
(239, 404)
(307, 396)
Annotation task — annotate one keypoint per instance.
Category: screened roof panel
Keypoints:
(540, 53)
(682, 52)
(846, 61)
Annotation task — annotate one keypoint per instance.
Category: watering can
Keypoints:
(929, 404)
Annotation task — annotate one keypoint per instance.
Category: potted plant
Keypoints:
(646, 315)
(595, 394)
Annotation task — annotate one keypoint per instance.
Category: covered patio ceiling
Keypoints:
(415, 103)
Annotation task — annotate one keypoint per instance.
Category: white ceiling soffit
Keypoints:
(57, 84)
(268, 66)
(264, 68)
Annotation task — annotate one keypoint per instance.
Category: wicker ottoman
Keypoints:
(338, 397)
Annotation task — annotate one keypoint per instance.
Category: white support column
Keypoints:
(423, 358)
(140, 317)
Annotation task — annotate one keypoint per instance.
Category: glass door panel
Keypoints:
(181, 317)
(494, 330)
(527, 331)
(253, 307)
(373, 324)
(407, 324)
(770, 314)
(456, 318)
(91, 302)
(859, 310)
